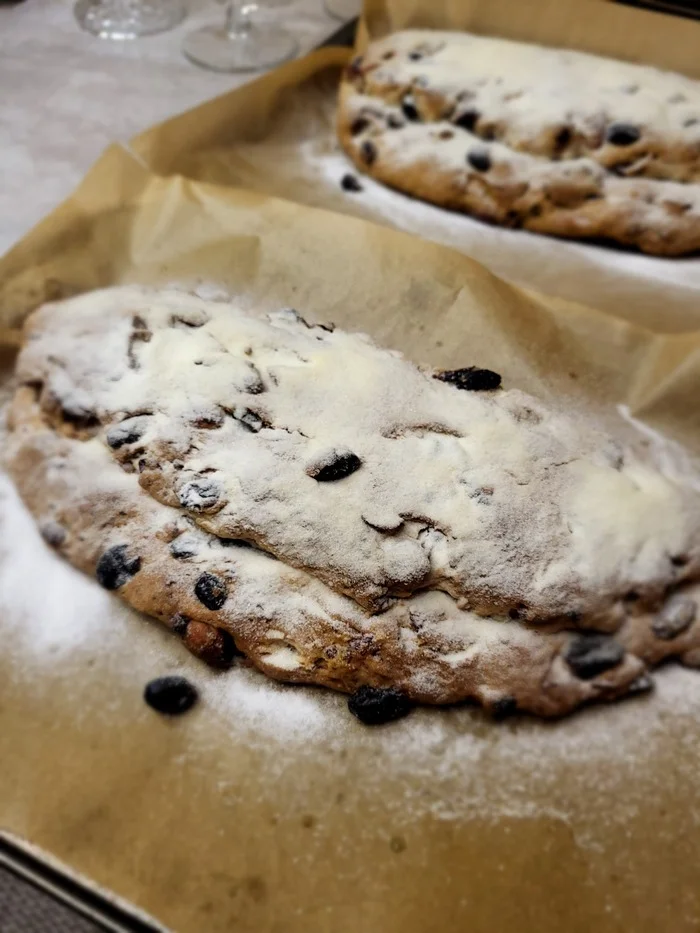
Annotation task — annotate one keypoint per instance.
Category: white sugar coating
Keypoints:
(418, 150)
(301, 159)
(492, 497)
(531, 93)
(54, 615)
(68, 635)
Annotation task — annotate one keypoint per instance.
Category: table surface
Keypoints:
(66, 95)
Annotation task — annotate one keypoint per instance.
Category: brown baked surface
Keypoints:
(555, 142)
(89, 480)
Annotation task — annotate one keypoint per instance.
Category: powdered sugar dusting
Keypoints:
(68, 635)
(301, 159)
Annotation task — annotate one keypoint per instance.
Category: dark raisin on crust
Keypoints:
(120, 434)
(343, 465)
(467, 120)
(562, 139)
(504, 707)
(479, 159)
(408, 107)
(350, 183)
(374, 706)
(170, 695)
(622, 134)
(53, 533)
(201, 495)
(368, 152)
(250, 419)
(115, 567)
(590, 654)
(642, 684)
(354, 69)
(211, 591)
(178, 624)
(471, 378)
(674, 620)
(78, 416)
(210, 644)
(182, 548)
(358, 125)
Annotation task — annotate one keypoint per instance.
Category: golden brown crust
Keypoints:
(292, 627)
(575, 198)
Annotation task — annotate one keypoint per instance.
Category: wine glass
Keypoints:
(342, 9)
(239, 44)
(128, 19)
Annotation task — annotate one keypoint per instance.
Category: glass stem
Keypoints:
(237, 18)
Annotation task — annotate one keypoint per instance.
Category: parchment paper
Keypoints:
(277, 136)
(269, 808)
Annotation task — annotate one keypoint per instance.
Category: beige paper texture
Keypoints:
(277, 136)
(268, 809)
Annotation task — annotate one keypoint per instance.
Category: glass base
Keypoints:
(250, 50)
(128, 19)
(342, 9)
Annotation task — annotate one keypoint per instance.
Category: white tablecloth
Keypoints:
(65, 95)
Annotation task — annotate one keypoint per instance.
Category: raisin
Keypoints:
(622, 134)
(115, 567)
(395, 122)
(409, 109)
(415, 56)
(375, 705)
(53, 533)
(641, 684)
(201, 495)
(170, 695)
(504, 707)
(590, 654)
(127, 432)
(178, 624)
(470, 378)
(368, 152)
(250, 419)
(468, 120)
(691, 121)
(341, 466)
(674, 620)
(358, 125)
(214, 646)
(192, 318)
(479, 159)
(354, 69)
(78, 416)
(562, 139)
(350, 183)
(211, 591)
(182, 548)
